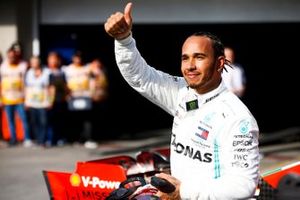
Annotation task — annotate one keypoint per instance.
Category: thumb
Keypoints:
(127, 13)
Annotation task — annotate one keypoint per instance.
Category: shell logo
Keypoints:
(75, 180)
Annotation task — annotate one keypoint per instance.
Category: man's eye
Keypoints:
(184, 58)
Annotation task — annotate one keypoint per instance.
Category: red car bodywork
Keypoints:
(96, 179)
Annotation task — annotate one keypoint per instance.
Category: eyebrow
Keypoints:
(195, 55)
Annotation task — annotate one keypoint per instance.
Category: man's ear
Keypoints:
(220, 63)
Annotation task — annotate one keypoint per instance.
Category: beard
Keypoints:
(200, 85)
(194, 85)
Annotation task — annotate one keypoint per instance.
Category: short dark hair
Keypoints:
(16, 46)
(54, 53)
(217, 45)
(77, 53)
(216, 42)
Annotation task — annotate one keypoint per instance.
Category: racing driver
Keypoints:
(214, 145)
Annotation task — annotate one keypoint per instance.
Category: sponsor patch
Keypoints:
(192, 105)
(75, 180)
(191, 152)
(93, 181)
(240, 157)
(244, 126)
(243, 143)
(240, 164)
(203, 133)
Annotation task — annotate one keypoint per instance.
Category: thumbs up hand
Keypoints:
(119, 25)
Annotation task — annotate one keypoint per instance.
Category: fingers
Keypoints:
(127, 13)
(162, 196)
(169, 196)
(116, 26)
(169, 178)
(119, 25)
(116, 23)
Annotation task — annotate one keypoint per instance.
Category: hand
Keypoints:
(170, 196)
(119, 25)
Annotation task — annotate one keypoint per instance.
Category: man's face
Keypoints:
(200, 68)
(53, 61)
(12, 58)
(35, 63)
(77, 60)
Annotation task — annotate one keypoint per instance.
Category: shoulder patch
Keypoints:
(244, 126)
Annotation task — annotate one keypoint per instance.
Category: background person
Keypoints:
(99, 80)
(58, 132)
(17, 47)
(12, 72)
(38, 99)
(99, 88)
(1, 134)
(214, 147)
(78, 78)
(234, 77)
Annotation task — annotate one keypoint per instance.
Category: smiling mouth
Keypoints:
(192, 75)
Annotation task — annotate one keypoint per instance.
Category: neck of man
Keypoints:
(209, 86)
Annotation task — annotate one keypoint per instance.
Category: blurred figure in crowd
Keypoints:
(38, 98)
(12, 74)
(17, 47)
(99, 82)
(234, 77)
(1, 136)
(99, 88)
(59, 90)
(80, 100)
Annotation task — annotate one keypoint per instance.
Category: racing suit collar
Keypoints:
(212, 94)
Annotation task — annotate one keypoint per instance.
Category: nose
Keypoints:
(191, 65)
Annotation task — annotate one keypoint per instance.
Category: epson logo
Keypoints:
(241, 143)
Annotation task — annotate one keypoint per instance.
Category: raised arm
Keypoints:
(159, 87)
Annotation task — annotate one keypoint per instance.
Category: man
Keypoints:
(78, 79)
(38, 99)
(214, 147)
(234, 78)
(58, 112)
(12, 74)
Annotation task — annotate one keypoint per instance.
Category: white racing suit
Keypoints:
(214, 145)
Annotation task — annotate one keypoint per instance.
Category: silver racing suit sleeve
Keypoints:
(236, 166)
(159, 87)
